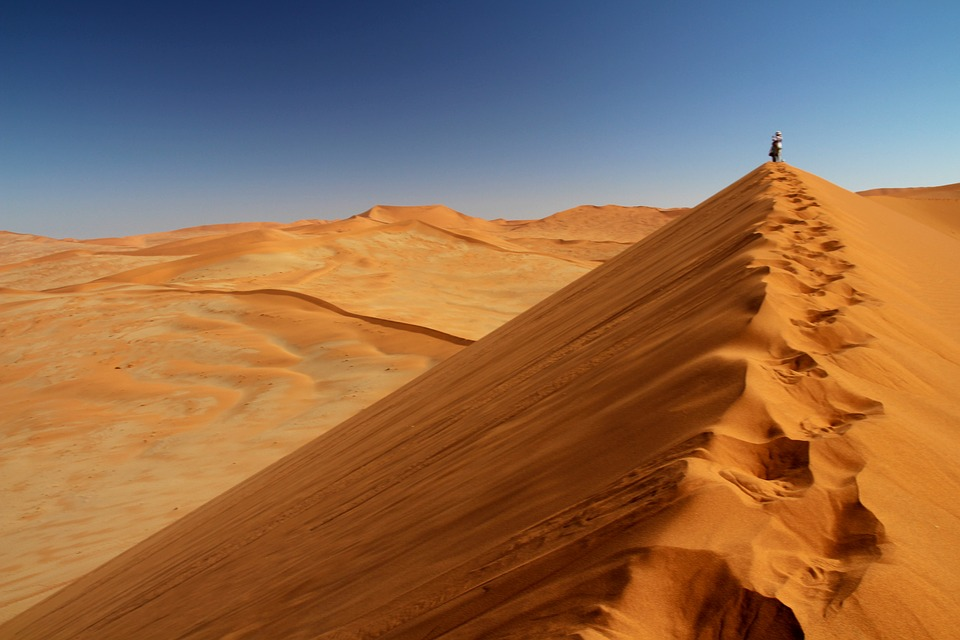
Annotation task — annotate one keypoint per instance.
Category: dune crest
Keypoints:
(739, 428)
(434, 215)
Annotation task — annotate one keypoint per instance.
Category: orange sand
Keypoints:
(938, 207)
(742, 427)
(144, 375)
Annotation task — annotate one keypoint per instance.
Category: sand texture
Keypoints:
(142, 376)
(744, 426)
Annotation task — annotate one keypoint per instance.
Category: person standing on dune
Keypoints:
(776, 146)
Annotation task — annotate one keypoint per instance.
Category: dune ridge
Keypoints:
(400, 326)
(739, 428)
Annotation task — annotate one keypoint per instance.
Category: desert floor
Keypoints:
(144, 375)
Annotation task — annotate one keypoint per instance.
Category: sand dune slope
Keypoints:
(142, 376)
(743, 427)
(938, 207)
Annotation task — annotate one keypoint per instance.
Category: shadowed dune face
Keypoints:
(142, 376)
(742, 427)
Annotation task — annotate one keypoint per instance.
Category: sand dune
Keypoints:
(943, 192)
(591, 232)
(742, 427)
(938, 207)
(610, 223)
(435, 215)
(144, 375)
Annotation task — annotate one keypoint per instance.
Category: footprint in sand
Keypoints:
(825, 316)
(760, 490)
(838, 422)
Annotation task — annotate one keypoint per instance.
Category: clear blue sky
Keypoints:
(131, 117)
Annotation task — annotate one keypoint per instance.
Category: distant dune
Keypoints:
(144, 375)
(744, 426)
(938, 207)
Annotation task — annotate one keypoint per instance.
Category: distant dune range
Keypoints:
(743, 426)
(144, 375)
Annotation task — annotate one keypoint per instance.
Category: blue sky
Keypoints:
(132, 117)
